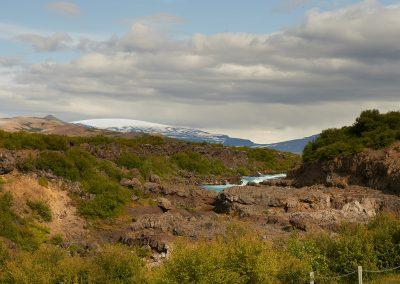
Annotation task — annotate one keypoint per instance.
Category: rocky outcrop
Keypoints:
(305, 208)
(154, 178)
(379, 169)
(131, 183)
(7, 162)
(164, 204)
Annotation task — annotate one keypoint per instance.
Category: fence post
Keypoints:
(360, 277)
(312, 277)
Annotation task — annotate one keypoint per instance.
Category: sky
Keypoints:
(264, 70)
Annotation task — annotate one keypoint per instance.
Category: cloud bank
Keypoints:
(268, 87)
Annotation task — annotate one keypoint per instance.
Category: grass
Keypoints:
(43, 182)
(41, 209)
(15, 228)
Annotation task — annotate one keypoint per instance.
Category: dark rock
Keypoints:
(7, 162)
(150, 187)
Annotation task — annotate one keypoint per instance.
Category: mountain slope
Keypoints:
(191, 134)
(182, 133)
(294, 146)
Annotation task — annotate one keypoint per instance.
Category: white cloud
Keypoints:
(274, 86)
(64, 8)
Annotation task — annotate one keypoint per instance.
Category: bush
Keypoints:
(41, 208)
(119, 265)
(59, 164)
(107, 204)
(13, 227)
(235, 259)
(98, 178)
(371, 130)
(238, 257)
(129, 161)
(49, 264)
(195, 162)
(24, 140)
(43, 182)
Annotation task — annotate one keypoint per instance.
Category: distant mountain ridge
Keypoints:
(189, 134)
(294, 146)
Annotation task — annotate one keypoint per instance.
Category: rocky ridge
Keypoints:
(379, 169)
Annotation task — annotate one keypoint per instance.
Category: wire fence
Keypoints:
(359, 271)
(383, 270)
(336, 277)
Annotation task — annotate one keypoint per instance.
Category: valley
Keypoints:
(137, 202)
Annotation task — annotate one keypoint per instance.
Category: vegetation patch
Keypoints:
(238, 257)
(41, 209)
(77, 159)
(371, 130)
(15, 228)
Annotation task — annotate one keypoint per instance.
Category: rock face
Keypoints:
(379, 169)
(7, 162)
(305, 208)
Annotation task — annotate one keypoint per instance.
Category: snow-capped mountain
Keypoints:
(182, 133)
(190, 134)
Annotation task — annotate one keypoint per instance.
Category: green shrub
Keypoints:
(43, 182)
(59, 164)
(13, 227)
(236, 259)
(119, 265)
(41, 208)
(111, 170)
(4, 255)
(24, 140)
(107, 204)
(129, 160)
(371, 130)
(28, 164)
(195, 162)
(56, 240)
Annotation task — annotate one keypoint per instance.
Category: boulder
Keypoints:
(151, 187)
(7, 162)
(131, 183)
(164, 204)
(154, 178)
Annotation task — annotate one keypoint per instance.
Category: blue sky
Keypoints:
(264, 70)
(103, 18)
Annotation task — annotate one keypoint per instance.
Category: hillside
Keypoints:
(109, 208)
(366, 153)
